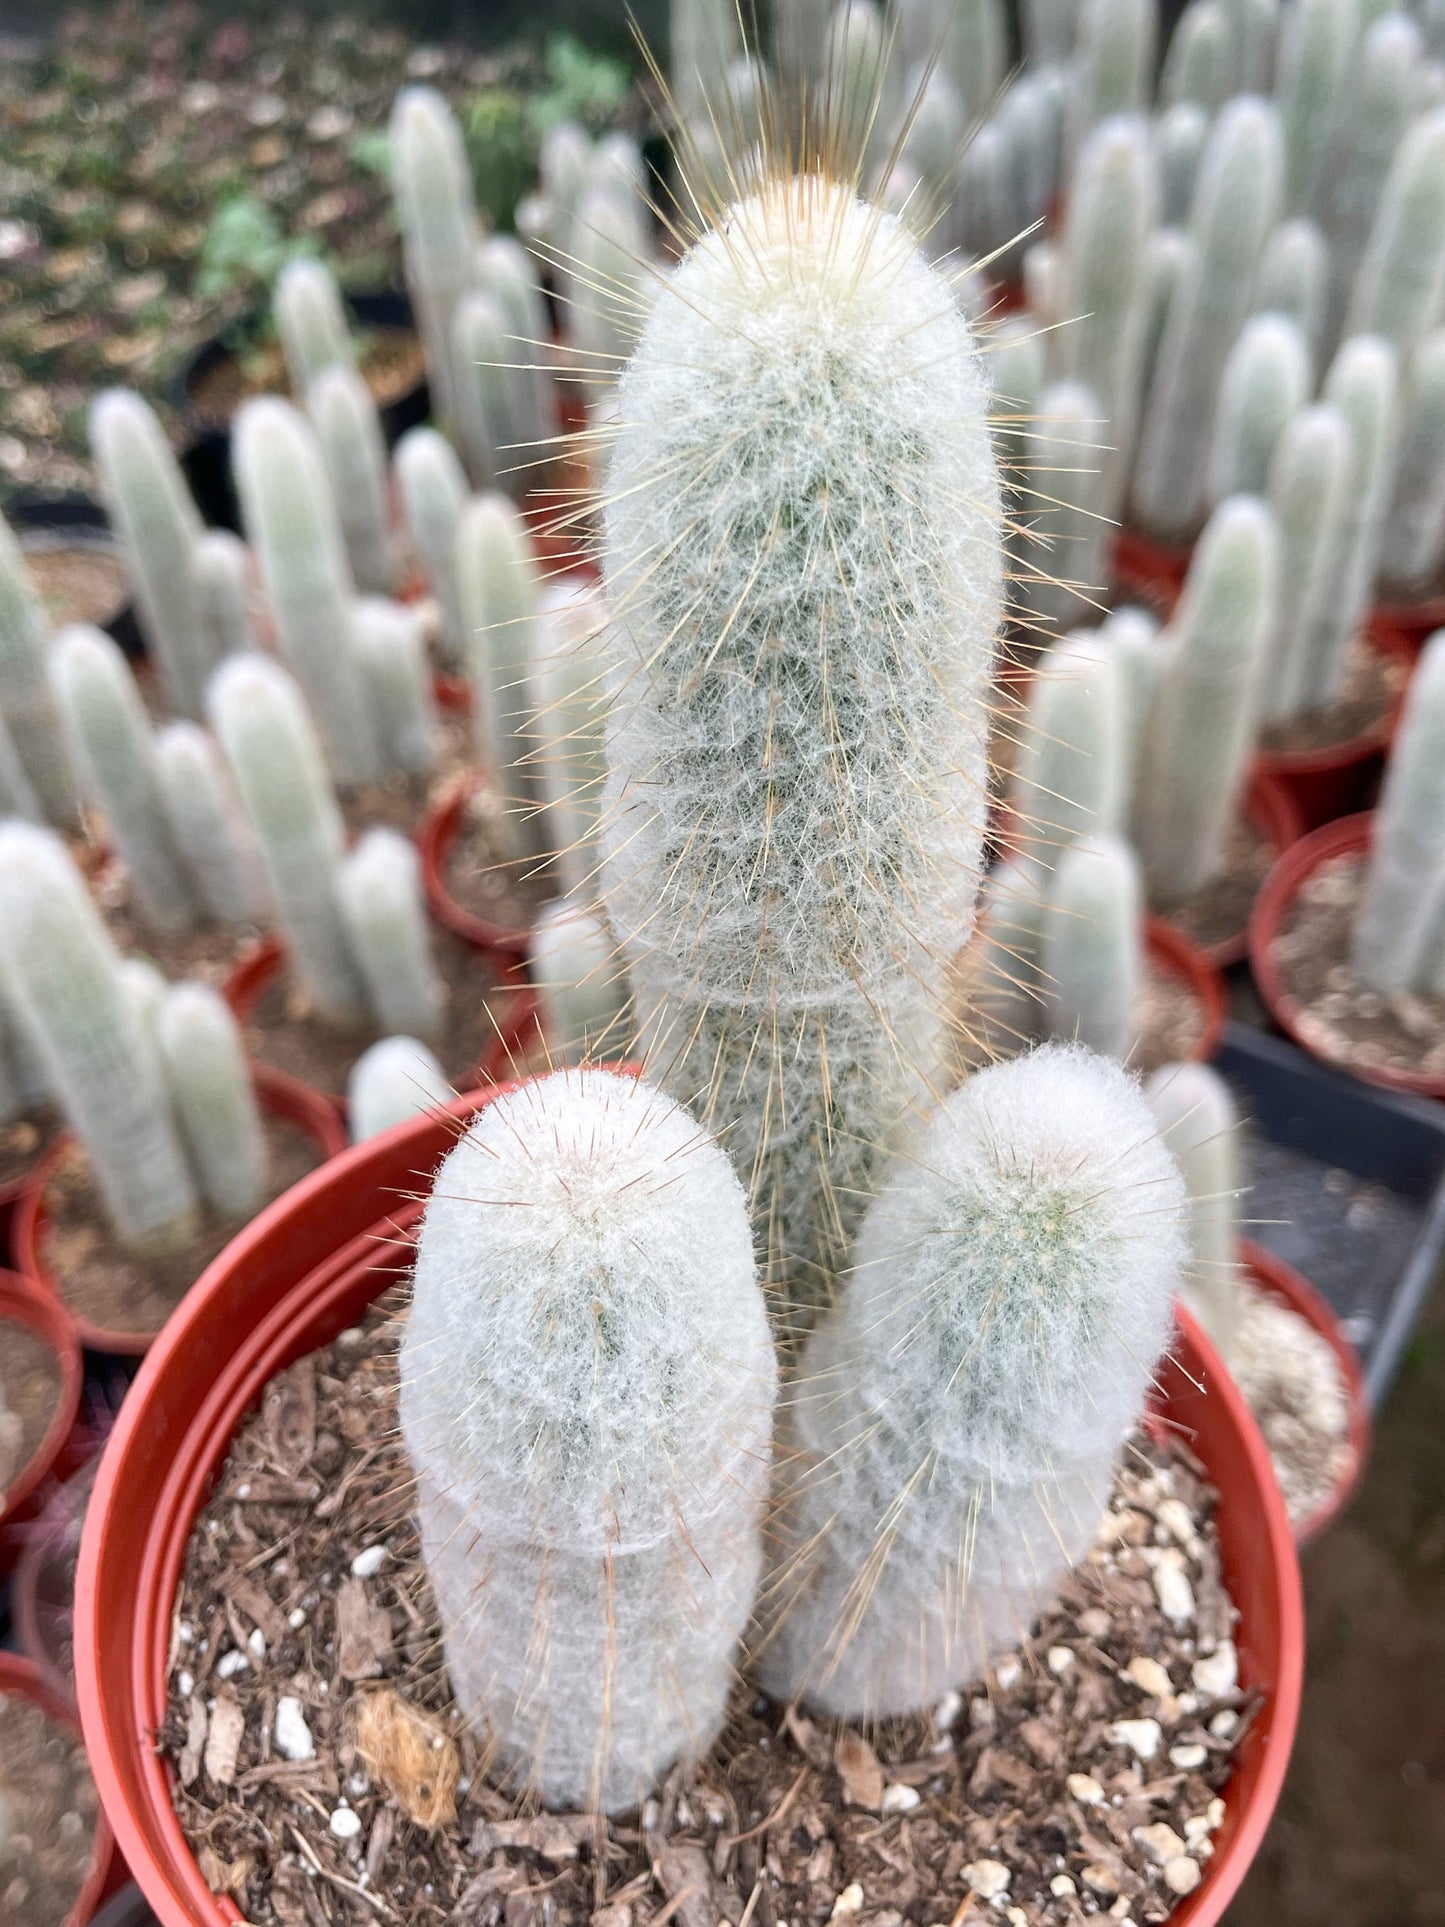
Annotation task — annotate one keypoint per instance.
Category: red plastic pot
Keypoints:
(308, 1268)
(42, 1591)
(1280, 1280)
(1171, 953)
(1271, 811)
(1411, 624)
(22, 1304)
(19, 1680)
(1153, 570)
(1328, 783)
(436, 834)
(1350, 836)
(280, 1095)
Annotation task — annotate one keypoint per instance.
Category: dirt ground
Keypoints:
(1359, 1838)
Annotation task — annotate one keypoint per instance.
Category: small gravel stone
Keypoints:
(1224, 1723)
(850, 1901)
(1160, 1842)
(229, 1664)
(1217, 1675)
(898, 1798)
(1142, 1737)
(986, 1878)
(293, 1735)
(1007, 1673)
(1061, 1884)
(1188, 1755)
(345, 1823)
(1150, 1677)
(1172, 1588)
(945, 1714)
(1100, 1879)
(1084, 1788)
(1061, 1658)
(1182, 1875)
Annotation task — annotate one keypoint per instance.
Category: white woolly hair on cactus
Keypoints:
(1266, 382)
(27, 702)
(207, 825)
(260, 716)
(311, 322)
(612, 284)
(507, 273)
(392, 1080)
(1386, 96)
(1398, 925)
(587, 1392)
(1294, 279)
(802, 575)
(378, 887)
(111, 742)
(65, 976)
(1016, 372)
(223, 572)
(1205, 714)
(1069, 777)
(145, 991)
(215, 1101)
(433, 489)
(390, 650)
(17, 797)
(1091, 946)
(348, 427)
(1197, 1117)
(1114, 63)
(1009, 1299)
(499, 589)
(1413, 541)
(569, 755)
(1062, 563)
(1309, 482)
(1179, 135)
(996, 991)
(1316, 58)
(487, 428)
(1131, 635)
(580, 983)
(1197, 60)
(1400, 284)
(432, 183)
(157, 525)
(291, 520)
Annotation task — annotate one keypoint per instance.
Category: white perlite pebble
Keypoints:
(1061, 1658)
(1084, 1788)
(986, 1878)
(1150, 1677)
(295, 1618)
(229, 1664)
(257, 1643)
(1160, 1842)
(1177, 1520)
(1061, 1885)
(898, 1798)
(1172, 1588)
(293, 1735)
(850, 1901)
(947, 1711)
(1142, 1737)
(1181, 1875)
(1224, 1723)
(345, 1823)
(1188, 1755)
(1007, 1673)
(368, 1563)
(1218, 1673)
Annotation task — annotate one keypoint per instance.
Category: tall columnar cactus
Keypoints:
(390, 655)
(1048, 30)
(996, 990)
(1382, 106)
(1413, 545)
(1065, 509)
(499, 589)
(507, 275)
(1198, 1120)
(1205, 711)
(1398, 928)
(590, 1514)
(433, 490)
(1016, 377)
(1179, 136)
(157, 525)
(292, 523)
(853, 104)
(311, 322)
(1254, 34)
(17, 796)
(805, 391)
(706, 35)
(1173, 261)
(1198, 62)
(378, 888)
(1309, 485)
(1091, 946)
(567, 751)
(968, 39)
(1266, 383)
(1069, 781)
(933, 144)
(1316, 61)
(1010, 1297)
(437, 215)
(210, 1085)
(1132, 638)
(489, 431)
(27, 702)
(206, 825)
(260, 716)
(1401, 281)
(1234, 211)
(353, 447)
(1114, 62)
(145, 991)
(580, 984)
(611, 285)
(222, 565)
(112, 746)
(64, 974)
(1294, 278)
(393, 1080)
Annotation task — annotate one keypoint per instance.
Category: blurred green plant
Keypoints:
(243, 250)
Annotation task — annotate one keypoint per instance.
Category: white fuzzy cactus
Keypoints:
(260, 716)
(437, 215)
(378, 887)
(1114, 63)
(1316, 60)
(1413, 542)
(1294, 278)
(1397, 932)
(207, 826)
(567, 753)
(508, 276)
(1048, 30)
(1401, 281)
(1091, 960)
(291, 520)
(391, 1081)
(353, 447)
(1266, 383)
(157, 525)
(1069, 779)
(590, 1514)
(65, 977)
(1198, 60)
(997, 990)
(1383, 103)
(1066, 508)
(222, 565)
(854, 104)
(17, 797)
(499, 589)
(112, 746)
(706, 36)
(1199, 1122)
(311, 322)
(580, 983)
(1179, 134)
(1010, 1297)
(210, 1085)
(611, 284)
(390, 653)
(1131, 635)
(780, 716)
(487, 429)
(1016, 377)
(433, 487)
(968, 39)
(27, 702)
(1309, 482)
(145, 991)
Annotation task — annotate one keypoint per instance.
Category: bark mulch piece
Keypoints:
(1219, 911)
(77, 582)
(1297, 1391)
(1341, 1018)
(127, 1292)
(47, 1786)
(22, 1141)
(481, 880)
(29, 1393)
(1082, 1775)
(1168, 1021)
(1371, 682)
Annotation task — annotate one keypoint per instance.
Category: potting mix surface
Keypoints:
(50, 1796)
(1341, 1017)
(1219, 912)
(389, 359)
(399, 802)
(1168, 1021)
(477, 877)
(1369, 684)
(208, 952)
(322, 1773)
(79, 582)
(1297, 1392)
(29, 1392)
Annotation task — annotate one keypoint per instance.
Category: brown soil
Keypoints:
(391, 359)
(29, 1391)
(1341, 1018)
(1219, 912)
(21, 1142)
(85, 582)
(1372, 681)
(208, 952)
(126, 1293)
(1296, 1390)
(283, 1032)
(481, 880)
(787, 1819)
(46, 1783)
(1169, 1021)
(399, 802)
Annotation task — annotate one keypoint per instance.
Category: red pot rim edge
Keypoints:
(1411, 624)
(18, 1676)
(25, 1589)
(177, 1424)
(22, 1302)
(1173, 954)
(1336, 757)
(1279, 1279)
(1347, 836)
(281, 1096)
(435, 835)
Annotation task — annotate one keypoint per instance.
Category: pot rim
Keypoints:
(20, 1677)
(1334, 758)
(1179, 957)
(22, 1302)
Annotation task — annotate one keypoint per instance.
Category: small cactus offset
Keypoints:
(1010, 1295)
(1179, 136)
(27, 702)
(611, 285)
(1400, 284)
(378, 889)
(1069, 781)
(391, 1081)
(113, 748)
(1266, 383)
(1205, 712)
(433, 487)
(590, 1514)
(1309, 483)
(157, 525)
(1413, 546)
(311, 322)
(390, 654)
(65, 976)
(207, 825)
(222, 565)
(437, 215)
(580, 984)
(507, 275)
(1398, 927)
(1199, 1123)
(1065, 510)
(1016, 374)
(210, 1085)
(353, 447)
(1316, 62)
(1091, 947)
(499, 590)
(1294, 279)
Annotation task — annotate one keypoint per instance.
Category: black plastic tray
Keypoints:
(1348, 1186)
